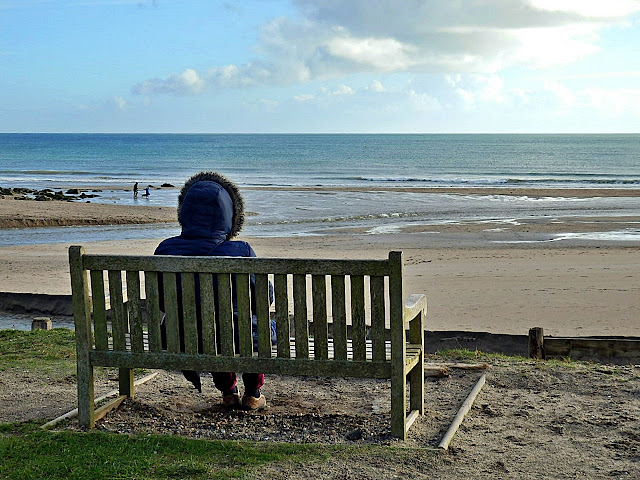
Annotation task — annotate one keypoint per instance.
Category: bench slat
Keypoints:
(208, 314)
(118, 326)
(320, 325)
(189, 316)
(243, 296)
(283, 330)
(170, 263)
(225, 318)
(275, 365)
(300, 315)
(99, 310)
(378, 331)
(264, 318)
(172, 327)
(338, 309)
(358, 326)
(134, 309)
(153, 311)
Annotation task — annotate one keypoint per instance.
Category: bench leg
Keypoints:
(86, 406)
(398, 404)
(416, 386)
(125, 382)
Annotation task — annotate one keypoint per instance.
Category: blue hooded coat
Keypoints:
(211, 212)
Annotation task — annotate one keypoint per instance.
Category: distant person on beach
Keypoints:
(211, 213)
(146, 191)
(135, 190)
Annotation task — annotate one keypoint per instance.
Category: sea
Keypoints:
(298, 184)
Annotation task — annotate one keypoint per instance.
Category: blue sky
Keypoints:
(320, 66)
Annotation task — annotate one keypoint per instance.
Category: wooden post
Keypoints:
(41, 323)
(536, 343)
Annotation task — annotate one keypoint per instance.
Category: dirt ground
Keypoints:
(530, 420)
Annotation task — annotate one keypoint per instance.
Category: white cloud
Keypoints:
(120, 103)
(325, 93)
(340, 91)
(186, 83)
(588, 8)
(474, 90)
(422, 101)
(307, 97)
(333, 38)
(605, 102)
(376, 86)
(379, 54)
(548, 46)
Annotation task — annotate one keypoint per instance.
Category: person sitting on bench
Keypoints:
(211, 213)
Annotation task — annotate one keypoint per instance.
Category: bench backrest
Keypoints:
(348, 304)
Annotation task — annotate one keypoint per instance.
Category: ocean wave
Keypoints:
(438, 181)
(49, 172)
(585, 180)
(341, 218)
(44, 179)
(580, 181)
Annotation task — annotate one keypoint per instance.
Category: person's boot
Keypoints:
(231, 399)
(250, 402)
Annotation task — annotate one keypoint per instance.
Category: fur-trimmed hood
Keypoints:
(210, 206)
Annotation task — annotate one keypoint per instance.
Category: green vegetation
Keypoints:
(28, 452)
(551, 364)
(42, 350)
(466, 355)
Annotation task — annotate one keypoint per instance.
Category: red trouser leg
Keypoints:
(225, 381)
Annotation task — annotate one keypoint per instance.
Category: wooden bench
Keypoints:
(354, 308)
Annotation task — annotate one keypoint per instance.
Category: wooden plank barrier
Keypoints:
(199, 317)
(582, 347)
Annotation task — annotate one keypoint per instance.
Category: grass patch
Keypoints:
(48, 355)
(28, 452)
(47, 350)
(466, 355)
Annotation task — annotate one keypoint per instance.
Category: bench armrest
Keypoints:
(415, 306)
(414, 315)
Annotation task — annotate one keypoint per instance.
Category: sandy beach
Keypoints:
(584, 289)
(530, 419)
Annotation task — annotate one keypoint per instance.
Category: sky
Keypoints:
(320, 66)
